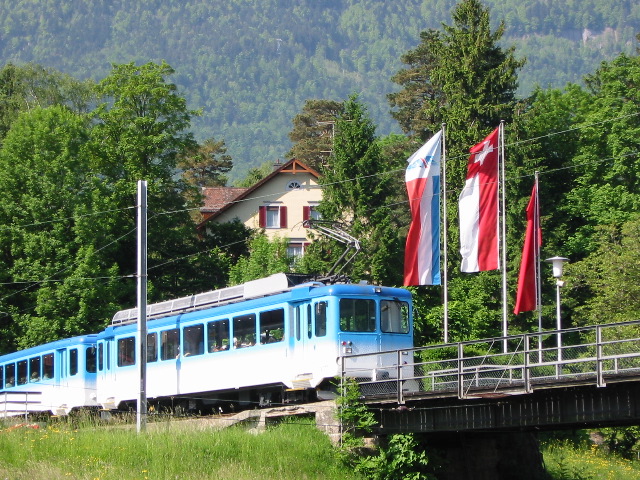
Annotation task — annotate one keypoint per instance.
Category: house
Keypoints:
(278, 203)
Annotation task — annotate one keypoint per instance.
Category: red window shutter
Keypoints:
(283, 217)
(262, 217)
(306, 213)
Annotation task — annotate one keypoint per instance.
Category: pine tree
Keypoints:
(357, 187)
(461, 77)
(313, 131)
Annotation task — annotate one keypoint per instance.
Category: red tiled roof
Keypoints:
(217, 197)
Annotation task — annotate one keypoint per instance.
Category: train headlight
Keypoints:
(347, 347)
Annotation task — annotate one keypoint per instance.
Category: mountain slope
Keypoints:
(251, 64)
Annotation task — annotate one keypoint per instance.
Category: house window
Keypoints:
(272, 216)
(310, 212)
(294, 185)
(295, 249)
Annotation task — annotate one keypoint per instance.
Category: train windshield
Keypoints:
(357, 315)
(394, 316)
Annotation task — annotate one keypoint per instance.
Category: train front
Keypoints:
(359, 331)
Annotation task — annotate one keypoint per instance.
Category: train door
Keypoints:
(106, 375)
(170, 362)
(106, 372)
(302, 333)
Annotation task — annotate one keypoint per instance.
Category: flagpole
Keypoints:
(504, 238)
(536, 251)
(445, 278)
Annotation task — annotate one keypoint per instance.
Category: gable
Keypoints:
(292, 183)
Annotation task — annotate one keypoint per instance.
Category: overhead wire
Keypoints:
(276, 194)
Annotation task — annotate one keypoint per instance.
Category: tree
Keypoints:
(139, 132)
(206, 164)
(605, 187)
(30, 86)
(255, 175)
(606, 279)
(265, 257)
(357, 186)
(58, 281)
(313, 131)
(461, 77)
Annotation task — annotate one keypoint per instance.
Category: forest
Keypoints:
(250, 65)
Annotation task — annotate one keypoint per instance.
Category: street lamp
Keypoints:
(558, 265)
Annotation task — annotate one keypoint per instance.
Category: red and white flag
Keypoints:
(422, 251)
(478, 208)
(527, 296)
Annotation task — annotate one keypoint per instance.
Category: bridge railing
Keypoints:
(502, 365)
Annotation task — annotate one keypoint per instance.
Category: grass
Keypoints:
(292, 450)
(566, 460)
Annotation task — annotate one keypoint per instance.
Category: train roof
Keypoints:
(263, 292)
(49, 347)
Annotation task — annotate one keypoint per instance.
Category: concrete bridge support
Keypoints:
(486, 456)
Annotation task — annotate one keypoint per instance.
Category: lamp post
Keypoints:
(558, 265)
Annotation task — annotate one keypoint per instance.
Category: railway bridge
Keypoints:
(551, 380)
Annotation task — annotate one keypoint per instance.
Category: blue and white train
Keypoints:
(262, 342)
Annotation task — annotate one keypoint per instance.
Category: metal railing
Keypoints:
(502, 365)
(18, 403)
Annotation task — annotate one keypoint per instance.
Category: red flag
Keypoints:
(527, 296)
(478, 208)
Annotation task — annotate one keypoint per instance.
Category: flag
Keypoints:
(422, 252)
(478, 208)
(527, 296)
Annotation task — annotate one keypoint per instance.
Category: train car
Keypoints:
(55, 378)
(254, 344)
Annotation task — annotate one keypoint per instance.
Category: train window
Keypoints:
(272, 326)
(100, 357)
(2, 376)
(309, 321)
(90, 359)
(297, 321)
(73, 361)
(357, 315)
(22, 372)
(244, 331)
(218, 335)
(10, 375)
(34, 369)
(170, 344)
(126, 351)
(152, 347)
(394, 316)
(321, 319)
(193, 341)
(47, 366)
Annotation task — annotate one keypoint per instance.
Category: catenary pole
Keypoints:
(141, 415)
